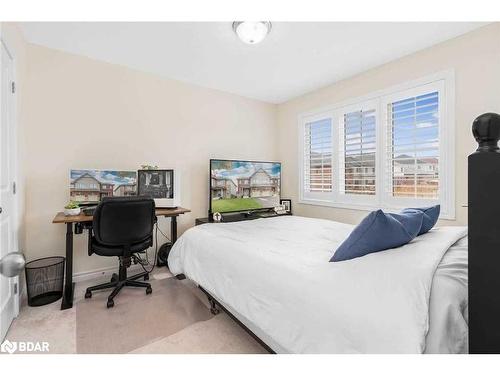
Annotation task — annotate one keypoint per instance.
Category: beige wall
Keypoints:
(82, 113)
(475, 58)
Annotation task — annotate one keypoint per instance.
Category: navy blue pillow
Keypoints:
(379, 231)
(431, 216)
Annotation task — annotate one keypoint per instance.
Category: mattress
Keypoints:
(273, 274)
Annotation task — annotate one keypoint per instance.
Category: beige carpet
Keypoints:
(174, 319)
(170, 308)
(217, 335)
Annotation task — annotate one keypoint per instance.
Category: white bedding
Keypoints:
(275, 273)
(448, 310)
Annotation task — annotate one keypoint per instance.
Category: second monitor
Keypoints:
(163, 185)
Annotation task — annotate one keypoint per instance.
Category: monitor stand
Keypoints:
(248, 215)
(236, 216)
(240, 216)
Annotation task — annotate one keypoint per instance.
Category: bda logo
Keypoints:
(8, 347)
(24, 346)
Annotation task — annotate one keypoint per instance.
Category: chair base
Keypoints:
(118, 282)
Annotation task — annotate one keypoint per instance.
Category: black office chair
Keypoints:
(122, 227)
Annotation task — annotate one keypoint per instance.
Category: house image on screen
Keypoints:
(259, 184)
(87, 188)
(223, 188)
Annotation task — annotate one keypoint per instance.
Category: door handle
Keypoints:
(0, 210)
(12, 264)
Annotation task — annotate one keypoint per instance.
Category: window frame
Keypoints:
(444, 83)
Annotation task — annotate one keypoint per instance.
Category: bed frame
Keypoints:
(484, 238)
(216, 306)
(214, 309)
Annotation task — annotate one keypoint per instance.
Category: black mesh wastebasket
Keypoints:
(44, 280)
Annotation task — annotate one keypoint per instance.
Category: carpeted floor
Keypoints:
(174, 319)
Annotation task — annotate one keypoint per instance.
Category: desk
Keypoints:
(60, 218)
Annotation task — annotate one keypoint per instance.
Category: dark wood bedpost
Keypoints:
(484, 237)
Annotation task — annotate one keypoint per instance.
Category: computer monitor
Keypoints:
(89, 186)
(163, 185)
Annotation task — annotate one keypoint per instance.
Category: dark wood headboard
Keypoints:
(484, 236)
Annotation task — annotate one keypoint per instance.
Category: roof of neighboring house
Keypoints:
(401, 159)
(407, 159)
(365, 160)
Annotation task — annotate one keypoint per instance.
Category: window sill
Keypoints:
(363, 207)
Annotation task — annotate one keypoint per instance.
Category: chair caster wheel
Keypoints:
(213, 307)
(149, 290)
(146, 277)
(214, 310)
(114, 277)
(88, 294)
(110, 303)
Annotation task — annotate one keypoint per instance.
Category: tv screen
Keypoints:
(237, 185)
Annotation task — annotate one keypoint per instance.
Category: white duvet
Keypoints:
(275, 272)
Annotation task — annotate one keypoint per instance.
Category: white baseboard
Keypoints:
(101, 272)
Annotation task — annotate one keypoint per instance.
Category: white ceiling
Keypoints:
(297, 57)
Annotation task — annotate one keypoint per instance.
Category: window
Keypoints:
(413, 133)
(317, 167)
(358, 152)
(391, 149)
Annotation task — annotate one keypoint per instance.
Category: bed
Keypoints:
(275, 277)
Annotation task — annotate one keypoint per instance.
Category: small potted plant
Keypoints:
(71, 209)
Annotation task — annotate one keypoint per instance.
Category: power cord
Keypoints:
(143, 262)
(164, 235)
(146, 261)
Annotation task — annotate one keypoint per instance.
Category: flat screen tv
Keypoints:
(238, 185)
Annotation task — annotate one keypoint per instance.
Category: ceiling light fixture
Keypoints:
(252, 32)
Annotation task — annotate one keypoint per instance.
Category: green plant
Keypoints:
(71, 205)
(149, 167)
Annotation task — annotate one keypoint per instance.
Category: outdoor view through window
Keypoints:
(409, 162)
(318, 151)
(414, 150)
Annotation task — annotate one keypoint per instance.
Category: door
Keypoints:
(9, 303)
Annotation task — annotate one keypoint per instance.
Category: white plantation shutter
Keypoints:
(318, 156)
(357, 133)
(413, 147)
(389, 149)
